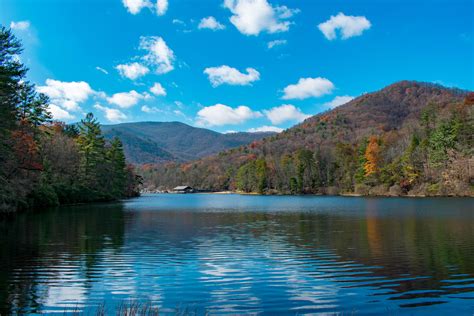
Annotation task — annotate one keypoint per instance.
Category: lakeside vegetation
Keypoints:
(45, 162)
(408, 139)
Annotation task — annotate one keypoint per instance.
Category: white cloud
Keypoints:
(337, 101)
(161, 7)
(59, 113)
(285, 112)
(67, 95)
(178, 21)
(20, 25)
(228, 75)
(210, 23)
(112, 115)
(159, 54)
(157, 89)
(126, 99)
(102, 70)
(221, 114)
(132, 71)
(251, 17)
(348, 25)
(308, 87)
(135, 6)
(148, 109)
(274, 43)
(265, 129)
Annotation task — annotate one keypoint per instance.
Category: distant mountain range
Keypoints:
(155, 142)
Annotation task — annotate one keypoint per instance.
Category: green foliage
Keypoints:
(345, 164)
(252, 176)
(116, 158)
(261, 173)
(361, 161)
(43, 195)
(441, 140)
(246, 177)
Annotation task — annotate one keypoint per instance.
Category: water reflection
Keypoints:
(49, 258)
(240, 254)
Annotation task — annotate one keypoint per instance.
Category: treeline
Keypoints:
(47, 163)
(430, 153)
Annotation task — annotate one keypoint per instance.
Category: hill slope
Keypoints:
(152, 142)
(409, 137)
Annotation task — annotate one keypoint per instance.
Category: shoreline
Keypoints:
(322, 194)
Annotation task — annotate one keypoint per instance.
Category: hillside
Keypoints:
(153, 142)
(408, 138)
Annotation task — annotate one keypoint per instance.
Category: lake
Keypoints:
(243, 255)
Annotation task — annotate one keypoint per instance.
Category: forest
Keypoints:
(409, 138)
(45, 162)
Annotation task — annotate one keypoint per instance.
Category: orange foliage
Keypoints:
(324, 118)
(469, 100)
(255, 144)
(26, 151)
(372, 155)
(186, 167)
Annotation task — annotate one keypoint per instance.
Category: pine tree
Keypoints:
(92, 149)
(118, 173)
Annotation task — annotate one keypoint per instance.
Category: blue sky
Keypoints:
(234, 65)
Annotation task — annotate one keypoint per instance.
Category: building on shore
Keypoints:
(183, 189)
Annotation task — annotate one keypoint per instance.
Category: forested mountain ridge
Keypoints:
(408, 138)
(152, 142)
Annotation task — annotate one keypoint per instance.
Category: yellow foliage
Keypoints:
(372, 155)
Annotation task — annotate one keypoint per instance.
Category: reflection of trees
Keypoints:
(30, 243)
(421, 246)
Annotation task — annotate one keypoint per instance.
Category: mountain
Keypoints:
(153, 142)
(408, 138)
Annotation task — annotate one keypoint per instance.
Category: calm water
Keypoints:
(245, 255)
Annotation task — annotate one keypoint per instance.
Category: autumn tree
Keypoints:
(372, 157)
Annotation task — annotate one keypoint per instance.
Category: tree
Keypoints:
(440, 140)
(92, 149)
(14, 185)
(361, 161)
(118, 173)
(12, 73)
(345, 157)
(372, 156)
(261, 175)
(306, 170)
(246, 177)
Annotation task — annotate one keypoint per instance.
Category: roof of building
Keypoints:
(182, 187)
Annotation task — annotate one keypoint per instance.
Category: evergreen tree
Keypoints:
(118, 173)
(92, 149)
